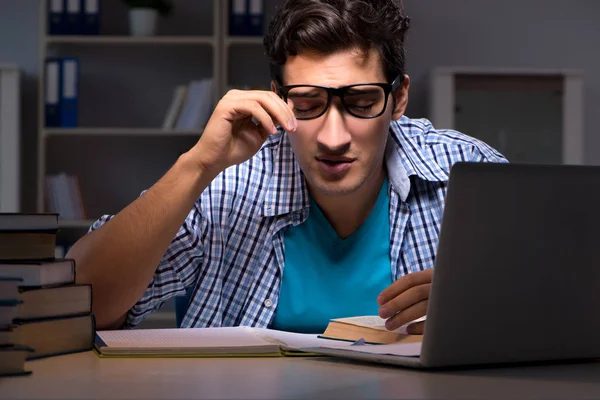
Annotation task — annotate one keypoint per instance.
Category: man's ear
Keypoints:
(401, 99)
(274, 87)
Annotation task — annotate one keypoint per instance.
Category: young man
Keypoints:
(334, 214)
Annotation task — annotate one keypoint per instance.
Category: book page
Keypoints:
(397, 349)
(374, 322)
(295, 341)
(182, 338)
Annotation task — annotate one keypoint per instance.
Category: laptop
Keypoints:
(517, 270)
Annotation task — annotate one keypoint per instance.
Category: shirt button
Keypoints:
(268, 303)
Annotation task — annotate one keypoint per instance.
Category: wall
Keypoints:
(547, 34)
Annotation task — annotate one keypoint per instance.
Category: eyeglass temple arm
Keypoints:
(278, 87)
(397, 82)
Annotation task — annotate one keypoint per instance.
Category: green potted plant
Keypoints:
(143, 15)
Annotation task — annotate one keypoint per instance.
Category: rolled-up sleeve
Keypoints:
(177, 270)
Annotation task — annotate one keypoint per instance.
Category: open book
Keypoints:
(198, 342)
(369, 328)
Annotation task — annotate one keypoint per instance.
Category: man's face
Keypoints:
(338, 152)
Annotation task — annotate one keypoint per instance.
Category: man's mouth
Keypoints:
(334, 160)
(334, 165)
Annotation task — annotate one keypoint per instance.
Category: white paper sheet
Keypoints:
(291, 340)
(397, 349)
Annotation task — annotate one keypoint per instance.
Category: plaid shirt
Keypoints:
(229, 252)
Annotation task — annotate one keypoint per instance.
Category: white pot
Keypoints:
(142, 21)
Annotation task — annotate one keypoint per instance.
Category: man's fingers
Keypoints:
(403, 284)
(279, 111)
(259, 114)
(405, 300)
(264, 134)
(409, 314)
(291, 123)
(418, 328)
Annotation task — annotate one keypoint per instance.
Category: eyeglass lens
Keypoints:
(363, 101)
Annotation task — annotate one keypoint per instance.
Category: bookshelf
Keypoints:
(119, 148)
(131, 40)
(115, 131)
(79, 223)
(234, 40)
(247, 51)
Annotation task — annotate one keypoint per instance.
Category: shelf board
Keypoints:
(129, 40)
(111, 131)
(251, 40)
(75, 223)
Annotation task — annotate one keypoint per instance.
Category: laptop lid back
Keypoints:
(517, 273)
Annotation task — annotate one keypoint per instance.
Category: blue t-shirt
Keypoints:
(327, 277)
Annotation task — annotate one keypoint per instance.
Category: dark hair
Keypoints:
(327, 26)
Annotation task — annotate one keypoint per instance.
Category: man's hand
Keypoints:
(406, 300)
(232, 137)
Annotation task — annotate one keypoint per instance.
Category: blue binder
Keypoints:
(69, 92)
(256, 18)
(90, 17)
(52, 92)
(55, 10)
(73, 17)
(238, 17)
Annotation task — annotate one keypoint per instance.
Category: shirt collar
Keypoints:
(408, 136)
(287, 191)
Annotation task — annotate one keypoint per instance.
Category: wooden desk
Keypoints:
(84, 376)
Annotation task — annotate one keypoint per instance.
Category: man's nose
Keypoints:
(333, 135)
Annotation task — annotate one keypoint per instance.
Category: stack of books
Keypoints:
(43, 312)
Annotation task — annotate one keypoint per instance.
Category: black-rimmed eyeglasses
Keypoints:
(364, 100)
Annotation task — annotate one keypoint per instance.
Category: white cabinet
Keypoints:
(10, 177)
(532, 116)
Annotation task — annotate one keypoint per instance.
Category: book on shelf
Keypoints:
(63, 196)
(370, 328)
(246, 17)
(206, 342)
(238, 18)
(197, 106)
(73, 17)
(256, 18)
(174, 110)
(69, 104)
(61, 92)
